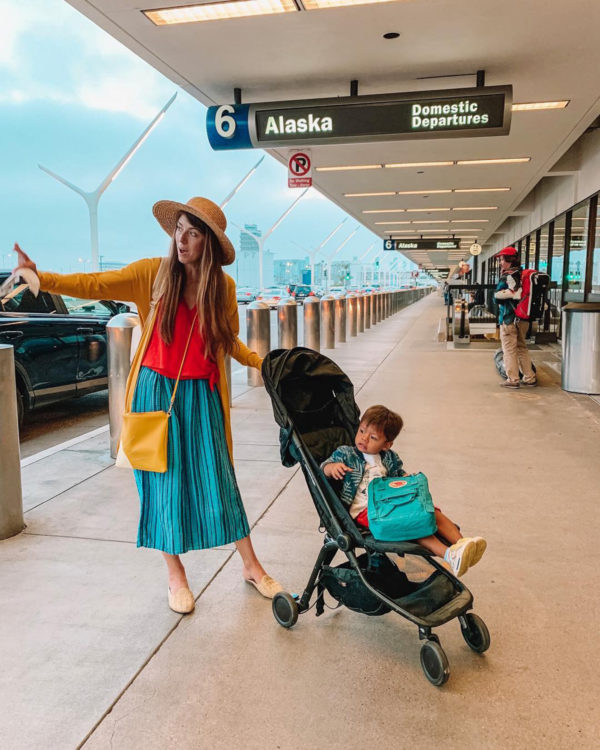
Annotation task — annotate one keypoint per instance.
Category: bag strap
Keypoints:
(187, 346)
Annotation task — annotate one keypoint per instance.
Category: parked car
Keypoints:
(245, 295)
(272, 295)
(59, 344)
(300, 291)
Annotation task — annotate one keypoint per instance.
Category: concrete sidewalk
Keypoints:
(92, 655)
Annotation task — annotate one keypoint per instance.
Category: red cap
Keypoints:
(510, 252)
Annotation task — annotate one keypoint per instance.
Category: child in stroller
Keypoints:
(313, 403)
(371, 456)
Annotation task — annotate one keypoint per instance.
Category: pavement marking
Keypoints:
(63, 446)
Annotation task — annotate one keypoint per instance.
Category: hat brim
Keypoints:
(166, 213)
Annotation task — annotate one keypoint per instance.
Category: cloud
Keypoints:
(102, 75)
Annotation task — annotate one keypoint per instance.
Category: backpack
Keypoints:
(534, 285)
(401, 508)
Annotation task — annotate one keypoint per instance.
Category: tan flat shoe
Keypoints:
(267, 586)
(182, 601)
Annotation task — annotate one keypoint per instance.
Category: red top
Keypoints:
(166, 358)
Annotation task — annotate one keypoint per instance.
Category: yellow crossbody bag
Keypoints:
(145, 434)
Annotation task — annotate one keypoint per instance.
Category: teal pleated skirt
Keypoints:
(196, 503)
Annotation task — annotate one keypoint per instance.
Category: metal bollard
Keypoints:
(340, 319)
(11, 494)
(119, 332)
(352, 313)
(360, 312)
(328, 320)
(258, 329)
(368, 299)
(312, 323)
(287, 323)
(377, 307)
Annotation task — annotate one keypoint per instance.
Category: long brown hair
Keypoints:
(213, 325)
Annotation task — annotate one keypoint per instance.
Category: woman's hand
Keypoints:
(336, 470)
(23, 260)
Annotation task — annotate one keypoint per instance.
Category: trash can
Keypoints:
(581, 347)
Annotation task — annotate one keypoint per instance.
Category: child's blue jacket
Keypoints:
(352, 457)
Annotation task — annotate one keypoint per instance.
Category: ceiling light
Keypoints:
(366, 195)
(348, 168)
(482, 190)
(392, 222)
(422, 192)
(420, 164)
(469, 221)
(435, 221)
(218, 11)
(384, 211)
(476, 208)
(529, 106)
(515, 160)
(425, 210)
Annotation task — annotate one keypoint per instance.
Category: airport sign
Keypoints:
(453, 113)
(427, 243)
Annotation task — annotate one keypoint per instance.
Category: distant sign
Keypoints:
(423, 244)
(475, 249)
(449, 113)
(299, 169)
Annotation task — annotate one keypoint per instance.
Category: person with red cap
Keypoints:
(512, 333)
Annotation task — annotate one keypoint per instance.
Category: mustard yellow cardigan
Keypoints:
(133, 283)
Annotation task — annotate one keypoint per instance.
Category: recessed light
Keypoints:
(366, 195)
(422, 192)
(469, 221)
(218, 11)
(530, 106)
(391, 35)
(514, 160)
(408, 165)
(392, 222)
(384, 211)
(482, 190)
(424, 210)
(348, 168)
(431, 221)
(475, 208)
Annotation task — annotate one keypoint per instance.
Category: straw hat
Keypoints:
(166, 213)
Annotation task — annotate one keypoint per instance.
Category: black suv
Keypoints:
(300, 291)
(59, 344)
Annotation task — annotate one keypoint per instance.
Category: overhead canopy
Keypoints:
(545, 51)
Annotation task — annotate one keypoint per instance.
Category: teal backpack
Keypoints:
(401, 508)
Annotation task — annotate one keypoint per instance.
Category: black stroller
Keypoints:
(313, 403)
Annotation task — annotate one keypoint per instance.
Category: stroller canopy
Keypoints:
(310, 393)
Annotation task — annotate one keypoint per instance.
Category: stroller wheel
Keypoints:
(475, 632)
(285, 609)
(434, 663)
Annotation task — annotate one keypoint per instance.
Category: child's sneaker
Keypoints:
(480, 547)
(460, 555)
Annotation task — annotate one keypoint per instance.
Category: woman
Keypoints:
(196, 503)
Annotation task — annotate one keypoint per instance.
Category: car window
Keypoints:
(20, 299)
(76, 306)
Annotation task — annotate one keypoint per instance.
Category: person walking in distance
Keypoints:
(512, 331)
(188, 310)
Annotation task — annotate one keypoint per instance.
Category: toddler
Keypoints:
(370, 457)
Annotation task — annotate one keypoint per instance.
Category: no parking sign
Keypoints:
(299, 169)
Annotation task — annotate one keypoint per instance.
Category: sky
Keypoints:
(74, 100)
